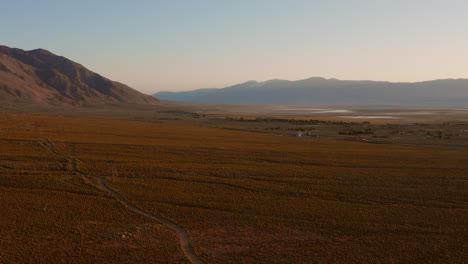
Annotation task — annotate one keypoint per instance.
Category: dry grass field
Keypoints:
(242, 197)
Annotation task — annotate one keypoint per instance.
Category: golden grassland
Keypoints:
(243, 197)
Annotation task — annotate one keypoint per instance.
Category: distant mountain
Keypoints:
(330, 91)
(41, 77)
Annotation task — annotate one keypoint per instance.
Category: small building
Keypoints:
(304, 134)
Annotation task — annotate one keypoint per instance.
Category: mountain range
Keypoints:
(330, 91)
(41, 77)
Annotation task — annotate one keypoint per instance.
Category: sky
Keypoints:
(177, 45)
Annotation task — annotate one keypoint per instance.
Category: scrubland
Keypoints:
(243, 197)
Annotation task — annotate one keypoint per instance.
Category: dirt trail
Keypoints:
(184, 240)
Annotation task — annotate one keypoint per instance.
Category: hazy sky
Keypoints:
(187, 44)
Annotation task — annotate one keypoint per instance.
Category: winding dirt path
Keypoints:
(184, 239)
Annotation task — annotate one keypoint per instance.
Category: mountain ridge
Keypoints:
(40, 77)
(318, 90)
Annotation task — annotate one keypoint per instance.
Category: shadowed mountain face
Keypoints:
(331, 91)
(41, 77)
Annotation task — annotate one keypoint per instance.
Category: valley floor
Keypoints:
(241, 196)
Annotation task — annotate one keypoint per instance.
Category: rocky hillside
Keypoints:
(41, 77)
